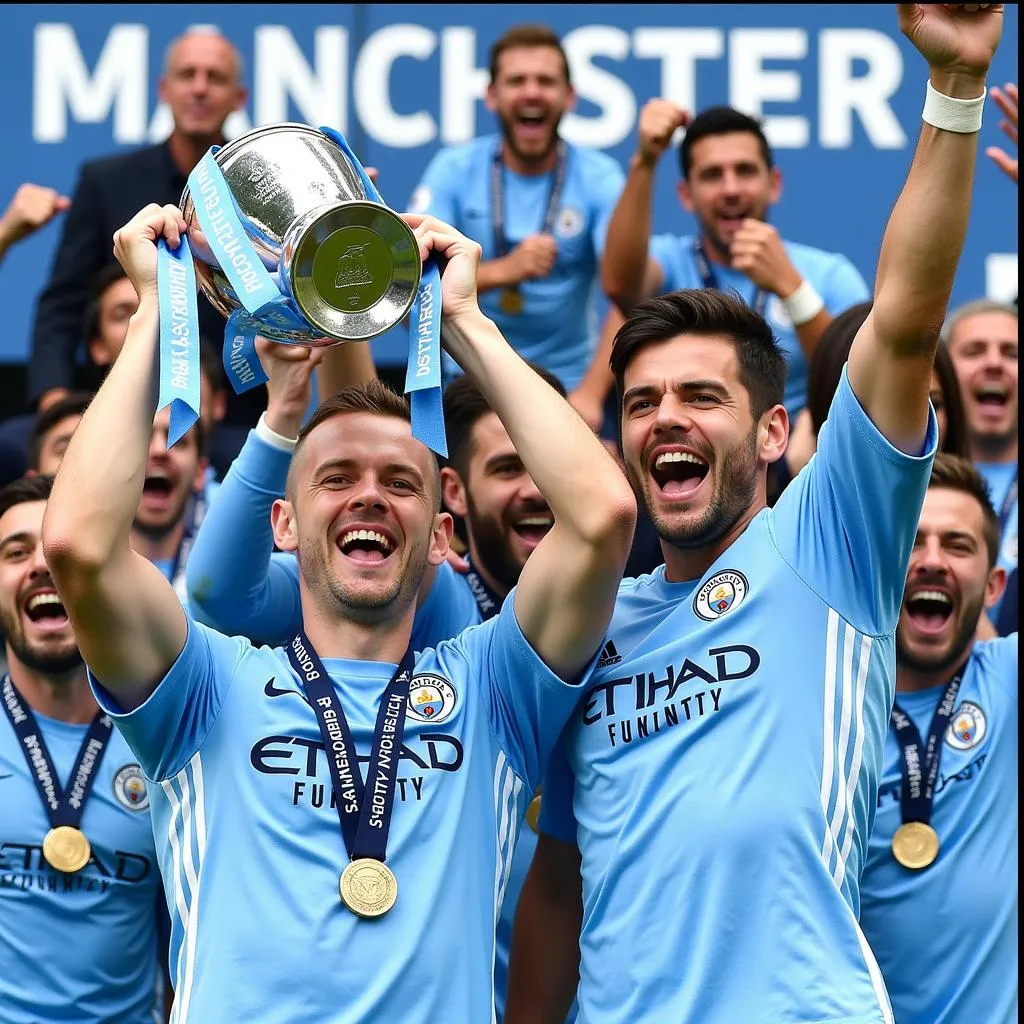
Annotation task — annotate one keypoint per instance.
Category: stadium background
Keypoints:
(401, 80)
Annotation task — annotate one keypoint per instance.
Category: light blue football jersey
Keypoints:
(80, 948)
(238, 585)
(720, 772)
(834, 277)
(558, 327)
(1000, 477)
(251, 849)
(946, 936)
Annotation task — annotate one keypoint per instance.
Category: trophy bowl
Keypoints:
(350, 265)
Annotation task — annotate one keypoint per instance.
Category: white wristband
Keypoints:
(804, 304)
(953, 115)
(272, 437)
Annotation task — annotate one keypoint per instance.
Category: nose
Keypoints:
(930, 558)
(672, 414)
(731, 183)
(158, 444)
(368, 493)
(529, 492)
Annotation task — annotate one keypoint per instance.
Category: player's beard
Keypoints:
(508, 137)
(367, 604)
(50, 661)
(493, 553)
(734, 491)
(963, 637)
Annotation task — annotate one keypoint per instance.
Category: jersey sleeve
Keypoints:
(236, 583)
(605, 187)
(664, 250)
(172, 725)
(847, 521)
(557, 818)
(528, 704)
(447, 610)
(437, 190)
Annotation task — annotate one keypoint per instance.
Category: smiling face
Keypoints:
(728, 182)
(506, 515)
(362, 515)
(32, 617)
(692, 450)
(172, 475)
(949, 582)
(983, 347)
(529, 95)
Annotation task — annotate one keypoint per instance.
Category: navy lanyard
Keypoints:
(709, 279)
(920, 768)
(486, 599)
(193, 519)
(1008, 502)
(364, 810)
(63, 806)
(498, 196)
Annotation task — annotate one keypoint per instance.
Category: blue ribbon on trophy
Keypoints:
(179, 337)
(292, 242)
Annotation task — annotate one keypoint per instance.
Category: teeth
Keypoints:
(931, 595)
(667, 457)
(992, 392)
(40, 599)
(535, 521)
(354, 535)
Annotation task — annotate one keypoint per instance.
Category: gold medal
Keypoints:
(66, 849)
(511, 301)
(368, 887)
(915, 845)
(533, 813)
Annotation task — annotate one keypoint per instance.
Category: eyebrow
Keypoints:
(23, 537)
(688, 385)
(392, 467)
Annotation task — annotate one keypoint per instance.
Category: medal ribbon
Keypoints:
(709, 279)
(486, 599)
(364, 810)
(921, 769)
(1008, 502)
(498, 196)
(193, 520)
(62, 807)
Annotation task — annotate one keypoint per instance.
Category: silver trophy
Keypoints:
(350, 265)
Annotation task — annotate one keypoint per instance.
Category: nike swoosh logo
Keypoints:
(275, 691)
(7, 775)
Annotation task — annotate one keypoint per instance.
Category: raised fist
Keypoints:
(658, 121)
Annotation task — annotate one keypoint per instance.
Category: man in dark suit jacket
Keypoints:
(202, 86)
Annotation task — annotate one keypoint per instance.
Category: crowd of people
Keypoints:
(682, 689)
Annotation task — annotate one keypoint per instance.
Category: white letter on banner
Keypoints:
(283, 73)
(840, 94)
(751, 84)
(462, 84)
(600, 87)
(61, 82)
(679, 49)
(1002, 281)
(372, 81)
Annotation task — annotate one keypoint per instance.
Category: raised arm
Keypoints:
(628, 274)
(32, 208)
(891, 359)
(128, 621)
(567, 590)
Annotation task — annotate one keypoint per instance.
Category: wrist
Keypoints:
(960, 85)
(643, 162)
(277, 433)
(804, 304)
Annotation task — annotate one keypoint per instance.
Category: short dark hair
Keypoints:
(825, 370)
(101, 282)
(374, 397)
(464, 406)
(709, 313)
(523, 36)
(73, 404)
(959, 474)
(720, 121)
(24, 489)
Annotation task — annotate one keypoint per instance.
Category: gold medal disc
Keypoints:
(915, 845)
(511, 301)
(533, 813)
(368, 887)
(66, 849)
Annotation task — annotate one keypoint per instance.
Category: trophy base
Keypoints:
(352, 269)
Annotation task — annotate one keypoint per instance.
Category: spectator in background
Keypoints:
(32, 208)
(78, 942)
(52, 430)
(981, 338)
(539, 208)
(202, 85)
(729, 183)
(941, 915)
(823, 375)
